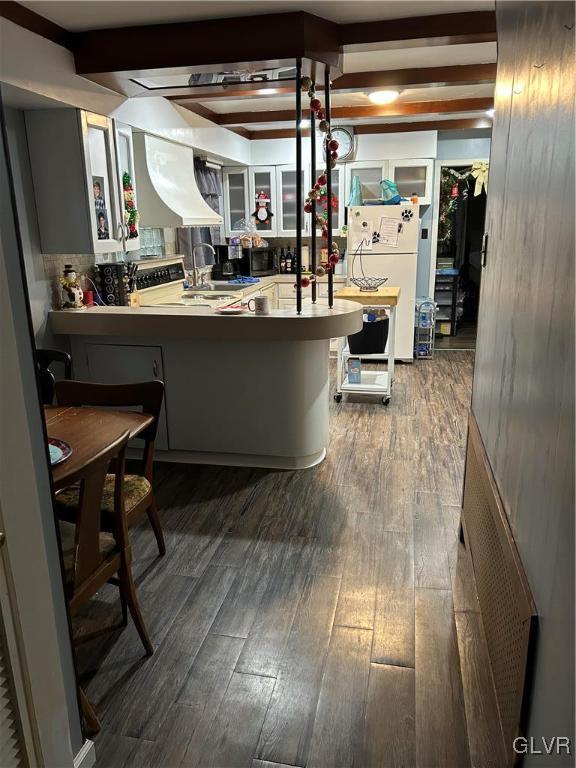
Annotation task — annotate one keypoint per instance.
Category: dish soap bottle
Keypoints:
(282, 262)
(289, 261)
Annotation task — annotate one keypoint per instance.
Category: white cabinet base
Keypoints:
(242, 460)
(230, 402)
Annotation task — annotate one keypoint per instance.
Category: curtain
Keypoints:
(209, 182)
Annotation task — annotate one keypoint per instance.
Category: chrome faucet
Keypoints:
(199, 273)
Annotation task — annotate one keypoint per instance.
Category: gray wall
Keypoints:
(424, 248)
(39, 285)
(25, 490)
(463, 148)
(523, 396)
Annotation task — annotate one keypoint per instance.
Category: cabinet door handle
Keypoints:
(484, 251)
(155, 369)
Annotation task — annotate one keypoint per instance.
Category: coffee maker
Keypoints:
(228, 262)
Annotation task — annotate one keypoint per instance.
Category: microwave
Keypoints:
(258, 262)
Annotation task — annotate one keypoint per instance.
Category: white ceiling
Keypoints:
(228, 106)
(102, 14)
(424, 56)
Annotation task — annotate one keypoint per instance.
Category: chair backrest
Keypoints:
(90, 479)
(44, 359)
(148, 395)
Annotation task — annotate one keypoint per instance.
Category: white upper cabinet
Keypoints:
(125, 164)
(262, 180)
(286, 200)
(371, 173)
(236, 200)
(413, 177)
(76, 181)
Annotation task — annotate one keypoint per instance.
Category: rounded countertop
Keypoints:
(317, 321)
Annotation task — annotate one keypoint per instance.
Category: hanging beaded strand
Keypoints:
(318, 196)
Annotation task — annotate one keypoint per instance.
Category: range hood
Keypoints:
(168, 195)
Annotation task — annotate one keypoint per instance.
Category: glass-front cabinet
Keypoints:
(413, 177)
(78, 180)
(236, 200)
(286, 200)
(263, 199)
(371, 173)
(102, 179)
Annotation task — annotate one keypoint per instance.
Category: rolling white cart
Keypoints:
(372, 382)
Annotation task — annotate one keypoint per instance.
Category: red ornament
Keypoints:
(334, 258)
(315, 105)
(333, 144)
(454, 191)
(307, 207)
(320, 114)
(305, 282)
(334, 155)
(322, 180)
(317, 186)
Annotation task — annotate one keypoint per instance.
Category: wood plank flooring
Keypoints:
(304, 618)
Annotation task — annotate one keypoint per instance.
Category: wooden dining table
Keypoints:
(88, 431)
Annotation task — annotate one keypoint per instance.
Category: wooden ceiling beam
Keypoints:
(420, 77)
(443, 29)
(428, 125)
(340, 113)
(207, 45)
(33, 22)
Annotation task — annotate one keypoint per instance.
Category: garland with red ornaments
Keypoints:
(319, 192)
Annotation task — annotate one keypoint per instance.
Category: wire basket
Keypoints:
(368, 283)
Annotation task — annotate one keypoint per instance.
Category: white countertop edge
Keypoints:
(317, 321)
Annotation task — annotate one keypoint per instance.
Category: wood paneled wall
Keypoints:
(523, 397)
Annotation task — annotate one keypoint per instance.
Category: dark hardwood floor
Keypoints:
(303, 618)
(464, 339)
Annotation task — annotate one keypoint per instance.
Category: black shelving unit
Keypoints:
(446, 298)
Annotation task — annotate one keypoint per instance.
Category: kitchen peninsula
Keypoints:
(241, 390)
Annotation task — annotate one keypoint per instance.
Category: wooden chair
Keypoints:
(138, 492)
(91, 558)
(47, 380)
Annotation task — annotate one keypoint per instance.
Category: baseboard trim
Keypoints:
(86, 758)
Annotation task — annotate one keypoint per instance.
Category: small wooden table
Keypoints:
(88, 431)
(385, 296)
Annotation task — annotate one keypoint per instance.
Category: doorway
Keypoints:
(458, 230)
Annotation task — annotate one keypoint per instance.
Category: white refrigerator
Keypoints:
(383, 242)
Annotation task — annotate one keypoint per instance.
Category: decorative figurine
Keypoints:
(71, 293)
(262, 214)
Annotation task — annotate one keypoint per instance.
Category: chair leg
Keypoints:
(154, 518)
(124, 606)
(129, 591)
(89, 714)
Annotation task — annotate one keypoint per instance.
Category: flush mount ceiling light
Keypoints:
(490, 112)
(383, 97)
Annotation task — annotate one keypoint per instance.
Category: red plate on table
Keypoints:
(59, 450)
